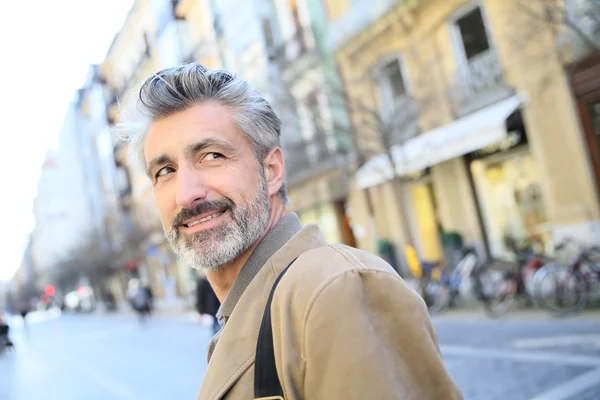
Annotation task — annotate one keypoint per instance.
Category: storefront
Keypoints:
(439, 191)
(508, 190)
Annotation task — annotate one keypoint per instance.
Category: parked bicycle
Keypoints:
(568, 289)
(441, 282)
(507, 282)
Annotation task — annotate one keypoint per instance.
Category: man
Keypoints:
(345, 325)
(5, 341)
(140, 298)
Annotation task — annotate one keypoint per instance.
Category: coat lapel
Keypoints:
(235, 350)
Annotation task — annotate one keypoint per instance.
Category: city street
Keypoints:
(100, 357)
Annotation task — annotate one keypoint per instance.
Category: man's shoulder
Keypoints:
(314, 269)
(332, 271)
(334, 259)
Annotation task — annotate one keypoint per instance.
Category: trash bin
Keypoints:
(387, 251)
(452, 244)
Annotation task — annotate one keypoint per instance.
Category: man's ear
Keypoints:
(274, 167)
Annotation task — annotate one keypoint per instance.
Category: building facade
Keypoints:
(155, 35)
(317, 143)
(279, 47)
(63, 216)
(498, 148)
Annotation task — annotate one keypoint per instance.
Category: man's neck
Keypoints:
(222, 280)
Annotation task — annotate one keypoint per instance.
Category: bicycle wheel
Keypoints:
(438, 294)
(483, 280)
(501, 297)
(560, 290)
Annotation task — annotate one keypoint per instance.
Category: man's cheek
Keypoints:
(166, 214)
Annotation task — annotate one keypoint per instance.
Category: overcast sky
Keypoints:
(47, 47)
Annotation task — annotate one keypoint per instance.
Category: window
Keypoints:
(392, 74)
(317, 136)
(473, 34)
(311, 102)
(392, 84)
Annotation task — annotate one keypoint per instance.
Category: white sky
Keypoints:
(47, 47)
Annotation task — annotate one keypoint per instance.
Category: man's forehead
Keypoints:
(197, 123)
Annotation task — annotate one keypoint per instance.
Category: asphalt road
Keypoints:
(101, 357)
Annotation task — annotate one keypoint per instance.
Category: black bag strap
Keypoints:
(266, 381)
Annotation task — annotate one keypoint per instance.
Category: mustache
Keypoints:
(201, 208)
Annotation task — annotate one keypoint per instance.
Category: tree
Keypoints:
(579, 18)
(88, 260)
(568, 30)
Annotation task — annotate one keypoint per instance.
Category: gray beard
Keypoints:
(212, 249)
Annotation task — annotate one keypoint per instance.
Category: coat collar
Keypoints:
(236, 346)
(274, 240)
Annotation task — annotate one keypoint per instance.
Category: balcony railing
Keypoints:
(297, 54)
(479, 83)
(309, 157)
(293, 48)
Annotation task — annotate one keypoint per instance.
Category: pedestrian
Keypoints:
(140, 298)
(5, 341)
(23, 307)
(149, 298)
(341, 323)
(207, 302)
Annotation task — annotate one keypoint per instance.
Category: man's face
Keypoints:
(209, 188)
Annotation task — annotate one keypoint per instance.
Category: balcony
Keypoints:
(308, 158)
(360, 16)
(478, 84)
(296, 55)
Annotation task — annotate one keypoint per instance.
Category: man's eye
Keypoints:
(164, 171)
(213, 156)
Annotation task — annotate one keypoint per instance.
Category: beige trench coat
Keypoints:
(345, 326)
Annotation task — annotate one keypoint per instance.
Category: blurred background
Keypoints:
(459, 140)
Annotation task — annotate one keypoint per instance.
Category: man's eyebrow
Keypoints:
(196, 147)
(160, 160)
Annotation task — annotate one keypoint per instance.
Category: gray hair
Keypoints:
(173, 90)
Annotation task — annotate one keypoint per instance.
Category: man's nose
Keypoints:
(191, 188)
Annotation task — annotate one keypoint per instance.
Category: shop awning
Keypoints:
(458, 138)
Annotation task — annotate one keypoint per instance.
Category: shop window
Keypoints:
(511, 200)
(326, 218)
